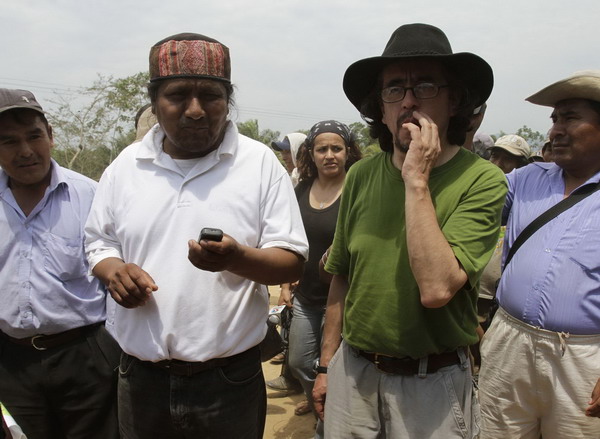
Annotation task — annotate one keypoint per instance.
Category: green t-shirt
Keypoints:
(383, 311)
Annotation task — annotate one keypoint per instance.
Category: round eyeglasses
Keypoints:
(424, 90)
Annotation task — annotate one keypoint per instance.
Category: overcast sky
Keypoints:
(289, 57)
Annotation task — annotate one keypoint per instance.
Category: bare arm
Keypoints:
(332, 337)
(128, 284)
(323, 275)
(269, 266)
(434, 265)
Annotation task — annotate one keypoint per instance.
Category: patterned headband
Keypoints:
(329, 126)
(190, 58)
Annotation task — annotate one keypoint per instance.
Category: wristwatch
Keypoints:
(319, 369)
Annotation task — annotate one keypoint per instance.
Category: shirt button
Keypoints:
(547, 250)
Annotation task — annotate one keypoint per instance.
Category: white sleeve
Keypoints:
(100, 237)
(282, 225)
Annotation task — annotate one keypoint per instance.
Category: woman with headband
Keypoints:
(327, 153)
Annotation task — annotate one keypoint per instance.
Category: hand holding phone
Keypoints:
(211, 234)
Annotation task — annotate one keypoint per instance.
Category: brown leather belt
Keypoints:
(189, 368)
(409, 366)
(43, 342)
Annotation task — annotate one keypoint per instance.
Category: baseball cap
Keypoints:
(14, 99)
(283, 145)
(515, 145)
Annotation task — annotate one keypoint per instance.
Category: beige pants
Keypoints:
(534, 381)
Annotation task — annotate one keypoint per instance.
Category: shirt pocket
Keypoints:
(585, 253)
(64, 258)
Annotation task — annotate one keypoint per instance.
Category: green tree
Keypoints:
(251, 129)
(361, 132)
(535, 139)
(367, 144)
(90, 130)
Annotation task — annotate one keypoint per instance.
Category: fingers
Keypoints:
(594, 403)
(319, 394)
(130, 286)
(424, 148)
(320, 410)
(203, 258)
(424, 136)
(429, 136)
(593, 410)
(212, 255)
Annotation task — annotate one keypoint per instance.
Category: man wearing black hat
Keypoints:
(193, 313)
(540, 358)
(417, 225)
(57, 361)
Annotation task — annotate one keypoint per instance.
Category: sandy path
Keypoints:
(282, 423)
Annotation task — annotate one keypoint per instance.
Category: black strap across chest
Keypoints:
(577, 195)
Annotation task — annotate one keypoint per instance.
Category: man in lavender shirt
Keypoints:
(57, 362)
(541, 355)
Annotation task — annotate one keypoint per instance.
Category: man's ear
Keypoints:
(51, 135)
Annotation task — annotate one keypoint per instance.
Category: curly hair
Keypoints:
(306, 165)
(458, 125)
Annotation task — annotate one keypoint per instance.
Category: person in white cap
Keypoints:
(288, 148)
(541, 354)
(510, 152)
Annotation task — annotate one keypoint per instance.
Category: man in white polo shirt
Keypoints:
(192, 313)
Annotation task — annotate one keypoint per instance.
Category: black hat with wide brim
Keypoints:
(419, 41)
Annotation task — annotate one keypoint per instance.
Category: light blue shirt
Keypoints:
(44, 283)
(553, 280)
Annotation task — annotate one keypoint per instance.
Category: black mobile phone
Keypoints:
(210, 234)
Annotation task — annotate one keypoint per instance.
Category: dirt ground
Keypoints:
(282, 423)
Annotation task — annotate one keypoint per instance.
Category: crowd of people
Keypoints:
(445, 256)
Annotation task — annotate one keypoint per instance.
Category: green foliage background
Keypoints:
(90, 132)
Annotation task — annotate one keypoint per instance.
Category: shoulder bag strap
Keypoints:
(551, 213)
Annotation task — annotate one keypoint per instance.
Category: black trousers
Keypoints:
(69, 391)
(227, 402)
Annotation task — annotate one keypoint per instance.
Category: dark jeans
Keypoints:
(222, 403)
(69, 391)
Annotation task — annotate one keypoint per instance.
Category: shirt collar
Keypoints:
(556, 172)
(57, 177)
